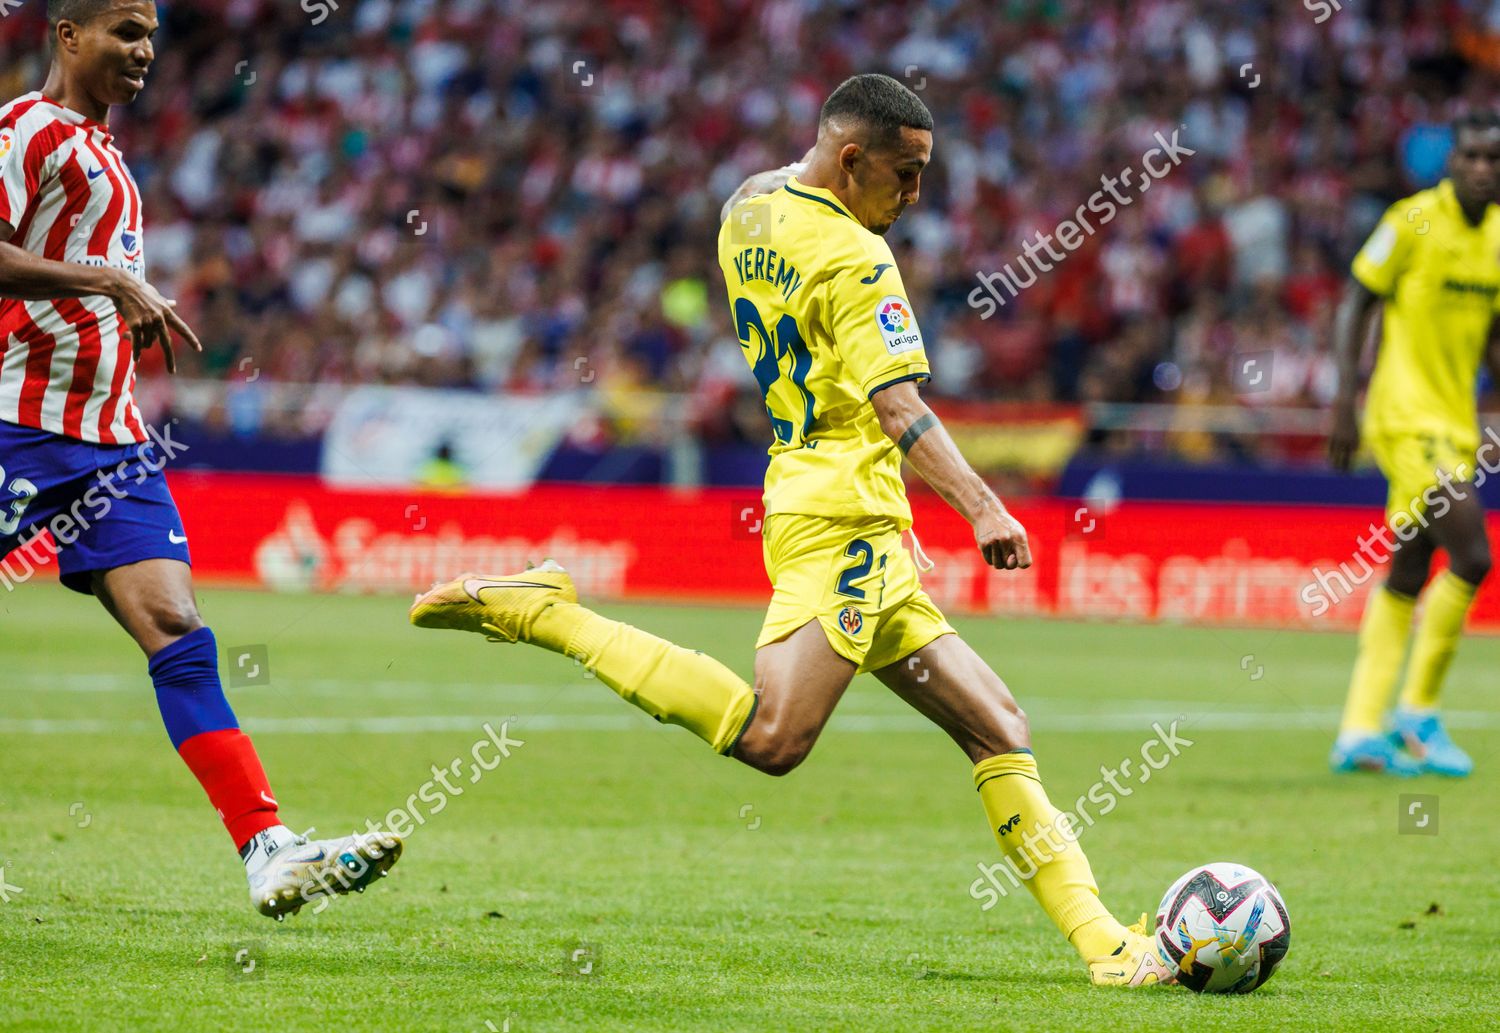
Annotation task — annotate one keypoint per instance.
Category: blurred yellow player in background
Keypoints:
(1434, 261)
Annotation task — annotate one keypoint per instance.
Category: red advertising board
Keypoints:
(1196, 563)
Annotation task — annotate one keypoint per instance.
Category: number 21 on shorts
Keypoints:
(863, 555)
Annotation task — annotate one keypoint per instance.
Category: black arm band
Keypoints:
(921, 425)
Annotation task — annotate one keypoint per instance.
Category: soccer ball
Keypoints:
(1223, 929)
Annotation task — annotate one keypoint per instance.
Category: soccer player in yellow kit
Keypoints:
(826, 326)
(1434, 261)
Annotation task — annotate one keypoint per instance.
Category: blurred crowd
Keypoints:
(524, 194)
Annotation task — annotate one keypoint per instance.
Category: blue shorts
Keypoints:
(106, 505)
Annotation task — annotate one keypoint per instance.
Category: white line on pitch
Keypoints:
(1058, 724)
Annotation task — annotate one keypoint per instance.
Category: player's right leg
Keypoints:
(1385, 628)
(947, 682)
(1362, 743)
(540, 606)
(798, 676)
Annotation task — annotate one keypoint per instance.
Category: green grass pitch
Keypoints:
(614, 875)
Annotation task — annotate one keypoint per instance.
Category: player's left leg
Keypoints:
(130, 552)
(947, 682)
(153, 601)
(1459, 531)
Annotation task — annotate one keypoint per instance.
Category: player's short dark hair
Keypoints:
(79, 11)
(881, 103)
(1476, 120)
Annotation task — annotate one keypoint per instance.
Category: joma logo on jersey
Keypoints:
(1009, 826)
(758, 263)
(851, 620)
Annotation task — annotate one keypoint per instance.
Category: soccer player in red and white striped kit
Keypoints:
(76, 457)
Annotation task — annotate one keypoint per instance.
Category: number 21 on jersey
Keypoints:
(790, 421)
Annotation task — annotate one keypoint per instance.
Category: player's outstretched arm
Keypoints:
(149, 317)
(764, 183)
(915, 429)
(1349, 325)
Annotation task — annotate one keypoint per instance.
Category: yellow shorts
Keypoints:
(854, 577)
(1411, 465)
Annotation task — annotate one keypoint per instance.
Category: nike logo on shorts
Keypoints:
(176, 539)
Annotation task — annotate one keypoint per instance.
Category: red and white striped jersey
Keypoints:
(65, 365)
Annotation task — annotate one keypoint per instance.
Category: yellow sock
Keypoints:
(672, 684)
(1445, 604)
(1044, 855)
(1382, 644)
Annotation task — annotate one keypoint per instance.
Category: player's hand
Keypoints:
(1002, 540)
(1343, 442)
(151, 319)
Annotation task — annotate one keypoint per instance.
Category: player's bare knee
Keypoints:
(782, 759)
(1012, 729)
(1472, 564)
(772, 751)
(1004, 728)
(175, 618)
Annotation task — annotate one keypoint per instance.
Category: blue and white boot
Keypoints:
(1425, 738)
(1368, 751)
(287, 871)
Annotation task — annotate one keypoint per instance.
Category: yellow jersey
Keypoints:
(1440, 278)
(824, 322)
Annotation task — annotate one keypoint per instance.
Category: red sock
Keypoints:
(225, 764)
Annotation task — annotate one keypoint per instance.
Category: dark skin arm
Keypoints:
(1492, 355)
(908, 421)
(1349, 328)
(149, 317)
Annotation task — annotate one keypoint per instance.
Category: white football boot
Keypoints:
(284, 876)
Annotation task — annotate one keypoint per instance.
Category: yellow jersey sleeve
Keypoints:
(872, 323)
(1387, 254)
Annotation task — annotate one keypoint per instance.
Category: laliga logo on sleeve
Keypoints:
(898, 327)
(7, 144)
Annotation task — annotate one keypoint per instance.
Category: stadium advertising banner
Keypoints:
(389, 435)
(1196, 563)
